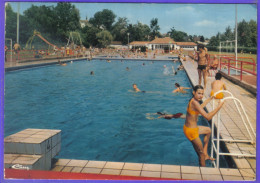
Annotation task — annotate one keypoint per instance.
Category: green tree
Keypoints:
(216, 40)
(104, 38)
(228, 34)
(178, 35)
(10, 23)
(141, 32)
(138, 32)
(191, 38)
(154, 27)
(253, 32)
(119, 30)
(243, 31)
(66, 19)
(25, 26)
(89, 37)
(41, 18)
(202, 39)
(103, 19)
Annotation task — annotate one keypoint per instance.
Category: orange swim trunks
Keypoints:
(191, 133)
(218, 96)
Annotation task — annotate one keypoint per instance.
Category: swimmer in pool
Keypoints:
(192, 130)
(179, 89)
(153, 116)
(166, 70)
(127, 68)
(181, 67)
(92, 73)
(218, 85)
(61, 64)
(136, 89)
(173, 71)
(170, 116)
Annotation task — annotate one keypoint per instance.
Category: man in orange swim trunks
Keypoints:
(218, 85)
(192, 130)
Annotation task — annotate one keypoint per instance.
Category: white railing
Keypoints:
(247, 125)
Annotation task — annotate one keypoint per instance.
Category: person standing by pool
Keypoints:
(218, 85)
(202, 63)
(180, 89)
(192, 130)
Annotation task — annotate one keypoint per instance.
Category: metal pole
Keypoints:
(218, 129)
(128, 39)
(11, 50)
(212, 131)
(219, 49)
(17, 31)
(236, 39)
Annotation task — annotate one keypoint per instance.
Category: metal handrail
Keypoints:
(217, 149)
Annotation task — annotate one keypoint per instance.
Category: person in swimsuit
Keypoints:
(202, 63)
(214, 65)
(61, 64)
(179, 88)
(170, 116)
(218, 85)
(192, 130)
(181, 67)
(136, 89)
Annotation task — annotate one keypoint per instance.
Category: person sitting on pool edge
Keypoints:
(218, 85)
(136, 89)
(179, 88)
(192, 130)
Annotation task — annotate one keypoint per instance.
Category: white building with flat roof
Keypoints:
(165, 43)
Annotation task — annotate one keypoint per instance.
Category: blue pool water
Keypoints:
(101, 118)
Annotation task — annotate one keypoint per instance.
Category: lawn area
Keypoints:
(244, 57)
(254, 56)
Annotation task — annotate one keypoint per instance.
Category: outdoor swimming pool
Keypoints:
(101, 118)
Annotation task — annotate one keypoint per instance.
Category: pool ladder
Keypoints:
(247, 125)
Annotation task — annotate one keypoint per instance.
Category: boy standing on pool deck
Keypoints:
(192, 130)
(202, 64)
(218, 85)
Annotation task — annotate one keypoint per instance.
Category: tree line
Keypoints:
(246, 38)
(56, 22)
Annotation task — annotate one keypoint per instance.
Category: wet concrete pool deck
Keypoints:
(231, 128)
